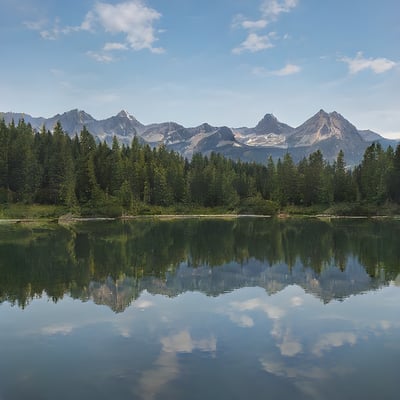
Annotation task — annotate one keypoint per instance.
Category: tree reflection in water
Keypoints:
(113, 262)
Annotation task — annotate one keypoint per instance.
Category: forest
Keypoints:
(91, 178)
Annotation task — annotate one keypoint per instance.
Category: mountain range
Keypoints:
(328, 132)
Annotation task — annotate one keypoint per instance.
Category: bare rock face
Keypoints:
(323, 126)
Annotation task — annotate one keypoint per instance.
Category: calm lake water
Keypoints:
(200, 309)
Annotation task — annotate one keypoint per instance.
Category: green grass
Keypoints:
(113, 210)
(31, 211)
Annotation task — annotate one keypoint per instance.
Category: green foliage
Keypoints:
(109, 207)
(51, 168)
(31, 211)
(258, 206)
(374, 174)
(352, 209)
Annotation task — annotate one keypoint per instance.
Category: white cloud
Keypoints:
(244, 321)
(152, 381)
(272, 8)
(288, 69)
(272, 311)
(54, 32)
(88, 22)
(42, 27)
(260, 24)
(143, 304)
(296, 301)
(254, 43)
(100, 57)
(167, 368)
(359, 63)
(182, 342)
(110, 46)
(57, 330)
(331, 340)
(290, 347)
(50, 34)
(132, 18)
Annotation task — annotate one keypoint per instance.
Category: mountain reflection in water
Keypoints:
(112, 263)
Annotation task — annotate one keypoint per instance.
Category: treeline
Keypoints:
(52, 168)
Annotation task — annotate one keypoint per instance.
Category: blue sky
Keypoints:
(227, 62)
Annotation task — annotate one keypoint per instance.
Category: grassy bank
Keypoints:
(49, 212)
(52, 212)
(31, 211)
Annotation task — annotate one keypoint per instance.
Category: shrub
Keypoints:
(258, 206)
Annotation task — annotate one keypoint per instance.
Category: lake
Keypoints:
(248, 308)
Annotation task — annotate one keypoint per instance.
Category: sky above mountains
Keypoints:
(190, 61)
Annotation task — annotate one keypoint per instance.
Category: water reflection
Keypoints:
(112, 263)
(167, 367)
(200, 309)
(242, 344)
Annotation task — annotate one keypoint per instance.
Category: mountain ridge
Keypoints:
(327, 132)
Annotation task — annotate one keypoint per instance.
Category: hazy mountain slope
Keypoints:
(371, 136)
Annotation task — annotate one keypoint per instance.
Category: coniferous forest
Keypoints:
(92, 178)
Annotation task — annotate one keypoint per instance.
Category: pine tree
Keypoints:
(287, 181)
(394, 177)
(4, 149)
(116, 167)
(87, 187)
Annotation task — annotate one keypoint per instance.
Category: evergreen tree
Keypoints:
(271, 180)
(340, 189)
(287, 181)
(87, 187)
(115, 167)
(394, 177)
(24, 173)
(4, 149)
(314, 190)
(162, 194)
(373, 174)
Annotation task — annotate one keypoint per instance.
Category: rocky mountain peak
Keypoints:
(270, 124)
(78, 116)
(270, 117)
(205, 127)
(323, 126)
(125, 115)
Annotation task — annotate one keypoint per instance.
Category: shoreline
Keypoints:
(65, 220)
